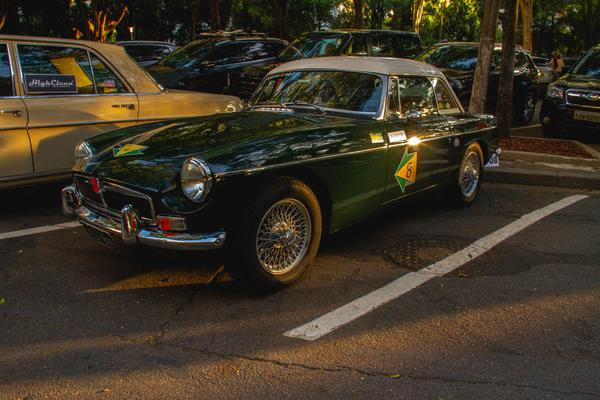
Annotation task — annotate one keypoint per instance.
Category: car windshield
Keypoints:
(462, 58)
(348, 91)
(589, 65)
(187, 56)
(313, 45)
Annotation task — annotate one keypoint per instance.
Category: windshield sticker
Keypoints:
(376, 137)
(398, 136)
(406, 173)
(50, 83)
(128, 150)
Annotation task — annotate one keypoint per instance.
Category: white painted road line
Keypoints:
(347, 313)
(39, 229)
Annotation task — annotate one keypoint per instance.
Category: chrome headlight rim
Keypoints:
(195, 179)
(554, 92)
(82, 153)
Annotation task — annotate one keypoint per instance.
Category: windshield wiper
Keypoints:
(305, 103)
(264, 104)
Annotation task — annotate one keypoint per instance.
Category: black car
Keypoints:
(458, 60)
(573, 101)
(147, 52)
(350, 42)
(205, 65)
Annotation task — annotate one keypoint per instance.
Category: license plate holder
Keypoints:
(587, 116)
(101, 237)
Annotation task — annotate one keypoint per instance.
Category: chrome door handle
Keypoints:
(127, 106)
(15, 113)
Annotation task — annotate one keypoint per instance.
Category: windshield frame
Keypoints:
(376, 115)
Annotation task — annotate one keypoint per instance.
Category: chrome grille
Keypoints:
(111, 198)
(583, 98)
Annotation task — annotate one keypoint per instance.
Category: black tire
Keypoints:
(524, 114)
(254, 270)
(460, 197)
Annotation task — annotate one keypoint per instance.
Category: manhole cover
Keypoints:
(416, 252)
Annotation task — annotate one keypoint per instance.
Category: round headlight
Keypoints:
(83, 152)
(196, 179)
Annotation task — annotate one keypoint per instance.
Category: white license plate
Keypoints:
(587, 116)
(494, 161)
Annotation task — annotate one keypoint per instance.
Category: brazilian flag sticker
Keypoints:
(128, 150)
(406, 173)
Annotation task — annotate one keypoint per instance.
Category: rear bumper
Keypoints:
(131, 231)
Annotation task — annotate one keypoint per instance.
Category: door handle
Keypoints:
(15, 113)
(127, 106)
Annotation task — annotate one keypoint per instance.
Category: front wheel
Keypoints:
(465, 186)
(278, 237)
(527, 110)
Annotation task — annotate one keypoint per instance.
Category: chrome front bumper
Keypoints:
(131, 231)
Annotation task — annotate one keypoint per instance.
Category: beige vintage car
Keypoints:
(56, 92)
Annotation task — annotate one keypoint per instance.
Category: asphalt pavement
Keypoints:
(515, 316)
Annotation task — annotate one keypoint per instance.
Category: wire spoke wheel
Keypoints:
(283, 236)
(470, 174)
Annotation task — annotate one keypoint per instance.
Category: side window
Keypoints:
(521, 60)
(55, 70)
(445, 102)
(417, 97)
(393, 107)
(226, 53)
(253, 51)
(274, 48)
(106, 81)
(6, 83)
(381, 46)
(407, 46)
(358, 46)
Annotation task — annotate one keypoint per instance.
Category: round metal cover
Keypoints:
(417, 252)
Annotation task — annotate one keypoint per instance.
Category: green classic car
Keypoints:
(323, 143)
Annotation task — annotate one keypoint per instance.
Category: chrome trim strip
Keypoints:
(580, 93)
(154, 238)
(99, 123)
(247, 171)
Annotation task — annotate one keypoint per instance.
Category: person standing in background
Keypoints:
(557, 64)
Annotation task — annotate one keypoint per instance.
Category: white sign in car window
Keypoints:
(50, 83)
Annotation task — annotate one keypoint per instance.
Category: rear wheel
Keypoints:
(465, 187)
(525, 114)
(278, 237)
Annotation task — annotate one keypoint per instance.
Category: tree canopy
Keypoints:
(569, 26)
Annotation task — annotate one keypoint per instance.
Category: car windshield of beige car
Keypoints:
(6, 87)
(62, 70)
(334, 90)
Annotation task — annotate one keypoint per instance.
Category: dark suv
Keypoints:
(573, 101)
(376, 43)
(205, 65)
(458, 61)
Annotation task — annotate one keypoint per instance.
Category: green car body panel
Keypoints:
(349, 161)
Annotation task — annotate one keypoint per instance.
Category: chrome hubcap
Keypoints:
(469, 174)
(283, 236)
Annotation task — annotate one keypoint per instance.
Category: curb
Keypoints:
(526, 176)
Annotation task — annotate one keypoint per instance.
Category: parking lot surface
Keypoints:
(520, 321)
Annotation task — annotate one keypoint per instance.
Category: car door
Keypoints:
(15, 150)
(417, 135)
(71, 94)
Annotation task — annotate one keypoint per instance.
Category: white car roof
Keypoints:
(377, 65)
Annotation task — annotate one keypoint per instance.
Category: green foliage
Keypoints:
(458, 21)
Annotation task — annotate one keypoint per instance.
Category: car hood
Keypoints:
(150, 156)
(578, 82)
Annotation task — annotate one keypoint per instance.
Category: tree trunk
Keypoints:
(526, 8)
(505, 90)
(417, 14)
(225, 13)
(396, 22)
(484, 56)
(281, 10)
(358, 13)
(215, 17)
(2, 20)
